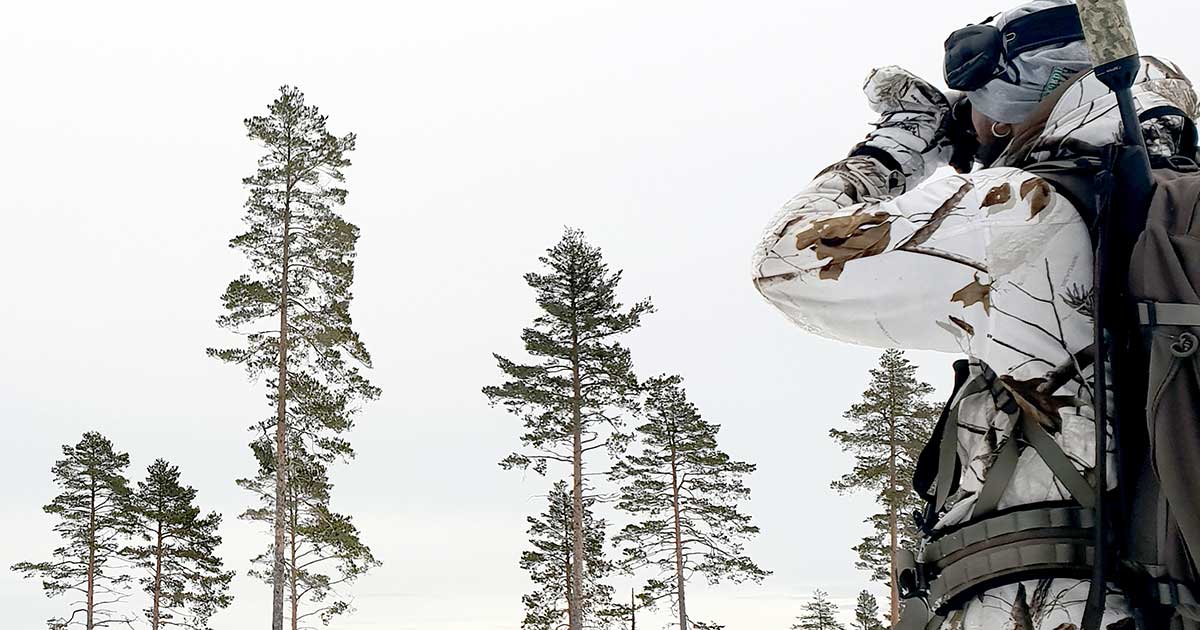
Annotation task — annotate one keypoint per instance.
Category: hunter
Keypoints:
(889, 248)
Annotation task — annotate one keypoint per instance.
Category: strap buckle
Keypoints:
(1185, 345)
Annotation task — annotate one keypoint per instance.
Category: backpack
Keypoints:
(1164, 282)
(1153, 517)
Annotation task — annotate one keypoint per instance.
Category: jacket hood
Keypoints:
(1082, 116)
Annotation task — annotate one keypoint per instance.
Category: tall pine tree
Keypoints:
(573, 395)
(549, 563)
(184, 577)
(683, 493)
(323, 550)
(93, 520)
(819, 614)
(293, 307)
(891, 424)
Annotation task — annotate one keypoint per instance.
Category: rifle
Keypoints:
(1124, 193)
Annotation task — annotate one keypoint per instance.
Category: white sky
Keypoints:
(668, 131)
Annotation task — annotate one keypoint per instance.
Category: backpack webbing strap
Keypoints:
(1175, 595)
(947, 452)
(1005, 564)
(1180, 599)
(948, 444)
(1010, 547)
(926, 473)
(1058, 462)
(1010, 527)
(1007, 548)
(998, 475)
(1168, 314)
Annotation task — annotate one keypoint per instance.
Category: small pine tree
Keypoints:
(892, 423)
(819, 614)
(184, 576)
(572, 397)
(866, 612)
(293, 308)
(549, 565)
(323, 550)
(683, 493)
(93, 518)
(633, 609)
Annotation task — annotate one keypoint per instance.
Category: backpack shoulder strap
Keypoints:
(927, 473)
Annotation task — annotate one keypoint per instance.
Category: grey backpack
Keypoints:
(1164, 282)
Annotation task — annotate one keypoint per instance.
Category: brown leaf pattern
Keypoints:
(842, 227)
(1033, 401)
(963, 325)
(1037, 192)
(999, 195)
(975, 293)
(832, 271)
(841, 239)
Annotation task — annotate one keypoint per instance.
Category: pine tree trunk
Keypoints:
(292, 538)
(576, 619)
(678, 540)
(277, 576)
(91, 566)
(892, 530)
(158, 554)
(632, 610)
(568, 551)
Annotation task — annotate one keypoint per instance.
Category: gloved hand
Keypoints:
(960, 131)
(912, 128)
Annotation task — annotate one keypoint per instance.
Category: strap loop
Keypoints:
(1168, 314)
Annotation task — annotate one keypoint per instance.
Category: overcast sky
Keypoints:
(669, 131)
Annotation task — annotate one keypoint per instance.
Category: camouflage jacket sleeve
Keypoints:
(846, 260)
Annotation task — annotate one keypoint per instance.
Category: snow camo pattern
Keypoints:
(993, 264)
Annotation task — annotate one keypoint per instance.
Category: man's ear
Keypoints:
(982, 126)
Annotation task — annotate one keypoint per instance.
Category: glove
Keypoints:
(960, 131)
(911, 135)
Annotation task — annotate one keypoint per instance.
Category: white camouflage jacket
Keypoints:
(993, 264)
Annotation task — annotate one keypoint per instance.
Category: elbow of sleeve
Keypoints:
(798, 309)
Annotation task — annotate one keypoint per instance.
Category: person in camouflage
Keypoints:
(993, 264)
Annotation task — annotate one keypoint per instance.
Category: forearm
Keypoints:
(907, 145)
(910, 137)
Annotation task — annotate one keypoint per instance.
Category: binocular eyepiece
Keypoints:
(960, 131)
